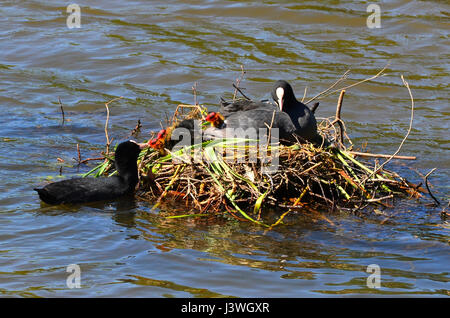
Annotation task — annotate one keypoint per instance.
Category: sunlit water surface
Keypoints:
(152, 53)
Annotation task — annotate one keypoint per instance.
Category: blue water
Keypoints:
(152, 53)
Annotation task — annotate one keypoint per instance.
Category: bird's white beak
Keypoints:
(280, 94)
(141, 145)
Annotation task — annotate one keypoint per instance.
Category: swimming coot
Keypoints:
(83, 190)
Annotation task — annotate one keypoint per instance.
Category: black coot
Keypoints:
(83, 190)
(302, 117)
(247, 124)
(252, 114)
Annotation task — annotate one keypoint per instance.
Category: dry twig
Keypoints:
(108, 142)
(428, 188)
(62, 111)
(407, 133)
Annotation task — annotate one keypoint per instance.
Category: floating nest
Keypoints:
(237, 178)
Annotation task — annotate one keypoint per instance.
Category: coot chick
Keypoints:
(175, 137)
(159, 143)
(181, 134)
(83, 190)
(215, 119)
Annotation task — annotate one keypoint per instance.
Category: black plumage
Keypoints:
(302, 117)
(229, 108)
(83, 190)
(182, 134)
(290, 116)
(250, 123)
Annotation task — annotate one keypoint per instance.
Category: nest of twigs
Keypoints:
(217, 176)
(235, 176)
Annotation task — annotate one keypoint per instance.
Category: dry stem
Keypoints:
(428, 188)
(407, 134)
(62, 111)
(108, 142)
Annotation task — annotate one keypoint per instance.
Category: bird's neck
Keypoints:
(129, 174)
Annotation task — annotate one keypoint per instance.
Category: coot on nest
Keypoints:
(247, 124)
(83, 190)
(291, 117)
(229, 108)
(302, 117)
